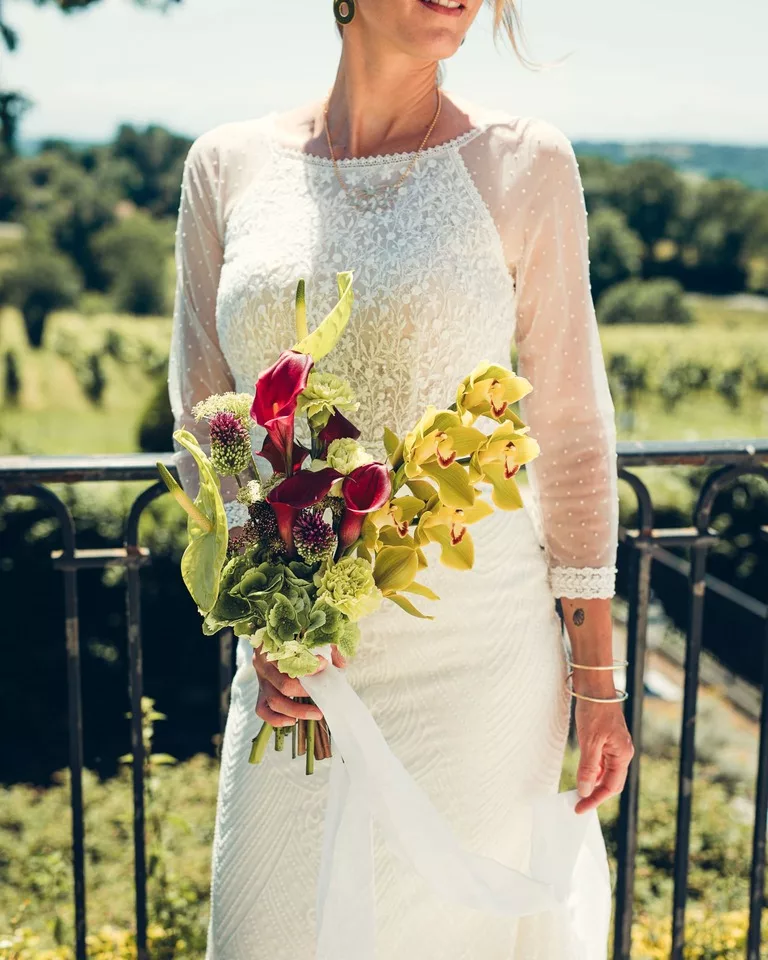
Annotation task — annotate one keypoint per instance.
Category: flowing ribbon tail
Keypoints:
(568, 870)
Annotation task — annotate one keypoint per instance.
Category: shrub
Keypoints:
(12, 378)
(156, 427)
(644, 301)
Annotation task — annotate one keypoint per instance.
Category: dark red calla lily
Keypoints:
(303, 489)
(337, 428)
(270, 452)
(365, 489)
(274, 404)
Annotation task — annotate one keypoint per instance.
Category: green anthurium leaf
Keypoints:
(458, 556)
(395, 568)
(326, 335)
(206, 552)
(183, 499)
(301, 312)
(422, 489)
(505, 493)
(421, 591)
(405, 604)
(453, 483)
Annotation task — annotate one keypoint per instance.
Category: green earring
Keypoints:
(343, 10)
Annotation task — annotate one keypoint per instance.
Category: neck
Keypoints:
(381, 101)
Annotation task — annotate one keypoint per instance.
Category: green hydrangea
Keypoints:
(324, 393)
(346, 455)
(349, 587)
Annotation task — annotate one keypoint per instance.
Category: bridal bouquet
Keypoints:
(331, 532)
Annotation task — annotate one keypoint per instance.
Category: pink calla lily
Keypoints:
(274, 403)
(365, 489)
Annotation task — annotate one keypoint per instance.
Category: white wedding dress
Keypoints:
(486, 241)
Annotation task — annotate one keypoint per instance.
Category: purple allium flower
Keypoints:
(263, 521)
(313, 538)
(230, 444)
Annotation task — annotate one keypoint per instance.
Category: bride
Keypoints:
(466, 232)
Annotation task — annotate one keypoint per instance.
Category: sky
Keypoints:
(693, 70)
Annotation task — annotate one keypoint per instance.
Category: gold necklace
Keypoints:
(382, 196)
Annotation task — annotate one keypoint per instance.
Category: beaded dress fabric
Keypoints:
(484, 246)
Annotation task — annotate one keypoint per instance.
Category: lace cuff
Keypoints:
(584, 582)
(237, 513)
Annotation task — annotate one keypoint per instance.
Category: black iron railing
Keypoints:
(728, 460)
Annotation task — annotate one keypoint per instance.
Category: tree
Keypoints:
(649, 193)
(133, 253)
(41, 281)
(717, 236)
(615, 251)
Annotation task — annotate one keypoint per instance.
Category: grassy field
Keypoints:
(55, 415)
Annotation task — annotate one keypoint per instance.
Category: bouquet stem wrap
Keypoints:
(568, 864)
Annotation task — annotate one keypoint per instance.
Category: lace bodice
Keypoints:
(485, 242)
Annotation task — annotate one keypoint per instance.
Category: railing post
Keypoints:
(136, 689)
(757, 869)
(640, 559)
(75, 709)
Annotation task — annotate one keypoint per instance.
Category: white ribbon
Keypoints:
(568, 863)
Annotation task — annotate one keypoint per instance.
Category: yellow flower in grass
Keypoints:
(489, 390)
(432, 449)
(499, 459)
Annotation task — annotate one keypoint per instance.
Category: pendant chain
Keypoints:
(366, 198)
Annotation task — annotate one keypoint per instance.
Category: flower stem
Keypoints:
(259, 743)
(311, 746)
(279, 738)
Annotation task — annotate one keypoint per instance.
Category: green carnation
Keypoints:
(346, 455)
(324, 393)
(294, 659)
(349, 587)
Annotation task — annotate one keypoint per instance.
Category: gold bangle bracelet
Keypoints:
(622, 694)
(586, 666)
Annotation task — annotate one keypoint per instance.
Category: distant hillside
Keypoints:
(748, 164)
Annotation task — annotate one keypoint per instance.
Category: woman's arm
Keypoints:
(571, 414)
(197, 367)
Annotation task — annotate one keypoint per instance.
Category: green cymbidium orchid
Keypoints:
(489, 390)
(396, 515)
(432, 448)
(499, 459)
(447, 526)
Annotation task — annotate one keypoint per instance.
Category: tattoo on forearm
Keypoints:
(578, 616)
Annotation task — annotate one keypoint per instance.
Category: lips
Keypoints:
(446, 11)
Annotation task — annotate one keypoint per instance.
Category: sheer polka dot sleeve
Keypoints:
(570, 410)
(197, 367)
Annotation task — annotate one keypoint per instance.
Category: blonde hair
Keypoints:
(506, 19)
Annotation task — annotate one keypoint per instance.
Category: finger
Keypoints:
(281, 681)
(598, 796)
(337, 659)
(589, 769)
(269, 716)
(292, 708)
(615, 774)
